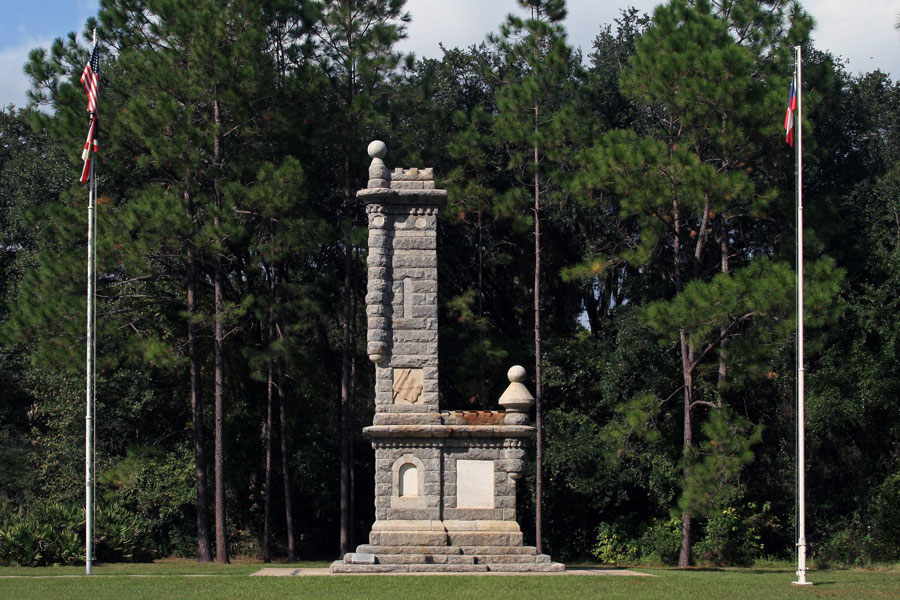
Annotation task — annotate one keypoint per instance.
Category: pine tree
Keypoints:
(352, 42)
(34, 170)
(286, 232)
(185, 86)
(695, 70)
(600, 234)
(534, 116)
(471, 205)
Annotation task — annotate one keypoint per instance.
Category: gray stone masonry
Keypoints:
(445, 482)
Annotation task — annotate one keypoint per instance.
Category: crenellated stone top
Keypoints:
(412, 185)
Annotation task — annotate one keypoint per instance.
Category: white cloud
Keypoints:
(457, 24)
(15, 82)
(861, 32)
(37, 32)
(466, 22)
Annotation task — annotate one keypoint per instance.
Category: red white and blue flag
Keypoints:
(789, 115)
(90, 80)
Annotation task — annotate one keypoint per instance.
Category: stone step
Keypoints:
(522, 568)
(447, 568)
(493, 555)
(381, 549)
(341, 567)
(484, 538)
(497, 549)
(461, 559)
(426, 559)
(519, 559)
(552, 567)
(408, 538)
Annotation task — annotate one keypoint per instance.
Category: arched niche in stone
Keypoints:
(408, 482)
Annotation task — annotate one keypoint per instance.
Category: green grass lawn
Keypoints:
(170, 580)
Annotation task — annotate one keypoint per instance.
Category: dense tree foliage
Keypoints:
(621, 216)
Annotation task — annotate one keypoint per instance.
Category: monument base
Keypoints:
(451, 546)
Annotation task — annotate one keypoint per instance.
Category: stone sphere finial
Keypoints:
(377, 149)
(516, 374)
(516, 400)
(379, 177)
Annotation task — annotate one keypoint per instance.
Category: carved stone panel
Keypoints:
(407, 386)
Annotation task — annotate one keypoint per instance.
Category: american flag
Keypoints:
(90, 80)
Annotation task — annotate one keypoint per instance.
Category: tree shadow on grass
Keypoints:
(747, 571)
(743, 571)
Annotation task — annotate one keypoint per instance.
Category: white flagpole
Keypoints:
(94, 351)
(90, 369)
(801, 370)
(89, 413)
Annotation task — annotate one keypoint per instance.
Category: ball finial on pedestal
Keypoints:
(377, 149)
(379, 177)
(516, 400)
(516, 374)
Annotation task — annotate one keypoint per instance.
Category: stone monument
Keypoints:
(445, 482)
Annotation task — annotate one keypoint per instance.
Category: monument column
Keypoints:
(401, 299)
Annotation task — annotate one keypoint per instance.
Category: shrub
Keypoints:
(53, 533)
(732, 535)
(884, 520)
(661, 541)
(613, 547)
(242, 543)
(20, 545)
(120, 536)
(49, 534)
(869, 535)
(844, 546)
(159, 489)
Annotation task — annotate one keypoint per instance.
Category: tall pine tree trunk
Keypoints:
(725, 268)
(267, 501)
(354, 292)
(687, 359)
(346, 517)
(221, 546)
(218, 282)
(684, 553)
(538, 406)
(270, 384)
(353, 43)
(346, 367)
(482, 388)
(285, 473)
(203, 554)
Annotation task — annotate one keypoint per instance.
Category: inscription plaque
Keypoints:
(474, 484)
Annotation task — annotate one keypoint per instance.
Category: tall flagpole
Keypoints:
(801, 370)
(90, 368)
(89, 396)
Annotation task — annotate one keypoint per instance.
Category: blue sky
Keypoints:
(27, 24)
(861, 32)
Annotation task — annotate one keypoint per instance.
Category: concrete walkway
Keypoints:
(324, 571)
